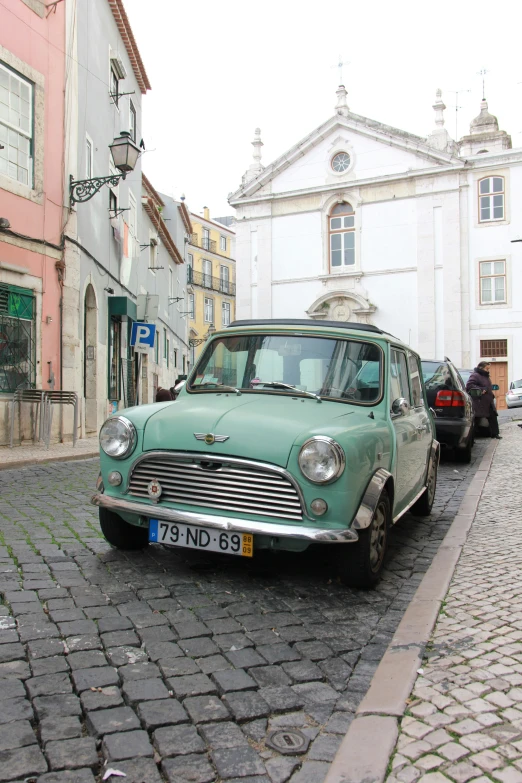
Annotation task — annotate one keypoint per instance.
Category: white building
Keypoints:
(363, 222)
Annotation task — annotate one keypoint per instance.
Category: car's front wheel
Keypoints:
(361, 564)
(119, 533)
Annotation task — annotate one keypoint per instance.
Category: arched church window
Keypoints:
(342, 236)
(491, 199)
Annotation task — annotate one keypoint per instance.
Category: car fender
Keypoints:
(370, 499)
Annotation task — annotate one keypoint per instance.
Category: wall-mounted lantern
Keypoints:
(125, 154)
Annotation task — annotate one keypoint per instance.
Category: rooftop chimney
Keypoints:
(206, 213)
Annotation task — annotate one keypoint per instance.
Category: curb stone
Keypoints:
(46, 458)
(366, 749)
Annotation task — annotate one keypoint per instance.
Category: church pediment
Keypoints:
(375, 150)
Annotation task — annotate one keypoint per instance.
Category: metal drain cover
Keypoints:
(290, 741)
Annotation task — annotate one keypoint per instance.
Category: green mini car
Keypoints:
(287, 433)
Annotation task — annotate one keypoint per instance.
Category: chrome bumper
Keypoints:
(311, 534)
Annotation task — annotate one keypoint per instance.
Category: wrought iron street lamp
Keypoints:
(125, 154)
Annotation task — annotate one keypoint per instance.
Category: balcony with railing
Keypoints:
(210, 282)
(205, 243)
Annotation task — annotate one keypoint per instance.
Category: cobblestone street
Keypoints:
(172, 665)
(464, 722)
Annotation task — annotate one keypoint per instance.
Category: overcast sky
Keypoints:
(220, 69)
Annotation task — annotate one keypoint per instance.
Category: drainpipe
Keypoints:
(60, 269)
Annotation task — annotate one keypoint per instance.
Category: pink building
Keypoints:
(32, 88)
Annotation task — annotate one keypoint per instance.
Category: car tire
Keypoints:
(422, 507)
(464, 455)
(120, 534)
(361, 564)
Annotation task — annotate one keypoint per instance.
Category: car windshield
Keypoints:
(436, 374)
(348, 370)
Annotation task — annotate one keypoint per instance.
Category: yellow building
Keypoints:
(211, 278)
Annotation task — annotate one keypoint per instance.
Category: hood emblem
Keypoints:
(154, 490)
(209, 438)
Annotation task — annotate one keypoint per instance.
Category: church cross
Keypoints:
(340, 66)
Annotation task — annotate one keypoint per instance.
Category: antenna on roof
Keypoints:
(483, 73)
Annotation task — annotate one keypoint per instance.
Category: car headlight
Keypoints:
(118, 437)
(321, 460)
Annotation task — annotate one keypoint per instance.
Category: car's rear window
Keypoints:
(348, 370)
(517, 385)
(436, 374)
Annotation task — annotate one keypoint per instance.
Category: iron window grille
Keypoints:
(493, 348)
(17, 338)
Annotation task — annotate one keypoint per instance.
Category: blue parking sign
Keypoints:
(142, 336)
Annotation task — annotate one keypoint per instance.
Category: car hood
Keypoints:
(258, 426)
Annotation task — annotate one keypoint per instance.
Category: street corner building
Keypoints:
(363, 222)
(32, 85)
(87, 244)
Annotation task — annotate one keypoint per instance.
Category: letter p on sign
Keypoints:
(142, 336)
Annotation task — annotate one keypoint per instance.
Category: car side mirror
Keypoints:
(495, 387)
(400, 407)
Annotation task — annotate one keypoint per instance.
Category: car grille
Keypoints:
(219, 485)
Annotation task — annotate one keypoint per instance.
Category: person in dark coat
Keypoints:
(163, 395)
(484, 405)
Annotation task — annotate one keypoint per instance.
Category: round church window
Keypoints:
(340, 162)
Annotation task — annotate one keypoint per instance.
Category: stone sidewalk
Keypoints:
(464, 718)
(35, 453)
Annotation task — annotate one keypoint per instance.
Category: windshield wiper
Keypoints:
(281, 385)
(219, 386)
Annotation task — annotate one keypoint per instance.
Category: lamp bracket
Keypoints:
(115, 96)
(84, 189)
(175, 299)
(117, 212)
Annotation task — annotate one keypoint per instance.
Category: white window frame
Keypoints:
(171, 283)
(226, 308)
(133, 126)
(223, 243)
(347, 232)
(191, 305)
(205, 238)
(89, 157)
(486, 200)
(209, 310)
(133, 223)
(207, 278)
(224, 278)
(493, 276)
(10, 126)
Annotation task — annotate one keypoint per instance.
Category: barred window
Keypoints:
(17, 338)
(16, 126)
(492, 348)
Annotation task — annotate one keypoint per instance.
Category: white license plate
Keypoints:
(192, 537)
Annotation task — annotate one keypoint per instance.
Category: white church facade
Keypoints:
(363, 222)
